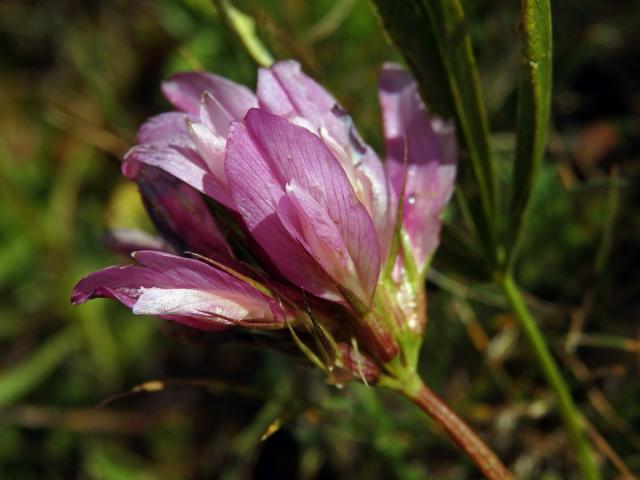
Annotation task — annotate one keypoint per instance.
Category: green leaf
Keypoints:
(433, 37)
(534, 104)
(401, 21)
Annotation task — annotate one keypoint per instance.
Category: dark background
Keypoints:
(77, 77)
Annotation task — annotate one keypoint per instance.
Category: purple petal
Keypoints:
(286, 91)
(180, 289)
(431, 154)
(180, 214)
(256, 193)
(293, 155)
(185, 90)
(180, 158)
(311, 226)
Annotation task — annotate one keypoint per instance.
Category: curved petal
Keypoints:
(430, 148)
(180, 158)
(256, 192)
(291, 154)
(286, 91)
(185, 90)
(311, 226)
(180, 289)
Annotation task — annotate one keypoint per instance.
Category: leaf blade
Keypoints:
(533, 111)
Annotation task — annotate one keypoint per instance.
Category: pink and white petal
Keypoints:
(429, 144)
(211, 147)
(179, 289)
(256, 192)
(295, 155)
(185, 90)
(198, 303)
(214, 115)
(180, 160)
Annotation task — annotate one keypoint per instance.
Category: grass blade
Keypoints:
(534, 104)
(244, 27)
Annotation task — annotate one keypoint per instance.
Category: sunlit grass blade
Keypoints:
(244, 27)
(534, 103)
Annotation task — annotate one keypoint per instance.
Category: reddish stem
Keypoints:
(484, 458)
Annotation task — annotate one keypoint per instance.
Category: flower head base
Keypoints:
(275, 215)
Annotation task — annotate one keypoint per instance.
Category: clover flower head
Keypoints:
(276, 215)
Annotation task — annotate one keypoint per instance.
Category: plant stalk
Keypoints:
(568, 410)
(463, 435)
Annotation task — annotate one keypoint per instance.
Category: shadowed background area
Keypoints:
(76, 80)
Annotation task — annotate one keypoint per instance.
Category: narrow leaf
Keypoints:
(534, 103)
(244, 27)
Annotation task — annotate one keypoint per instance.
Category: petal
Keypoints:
(312, 227)
(185, 90)
(180, 158)
(192, 302)
(294, 155)
(210, 147)
(180, 289)
(162, 127)
(286, 91)
(214, 115)
(430, 149)
(256, 192)
(180, 214)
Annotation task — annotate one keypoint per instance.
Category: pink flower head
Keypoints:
(275, 214)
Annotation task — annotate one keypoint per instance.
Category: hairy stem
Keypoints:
(568, 410)
(463, 435)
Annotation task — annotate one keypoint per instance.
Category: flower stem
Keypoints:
(568, 410)
(469, 441)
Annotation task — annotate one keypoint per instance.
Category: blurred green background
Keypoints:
(77, 77)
